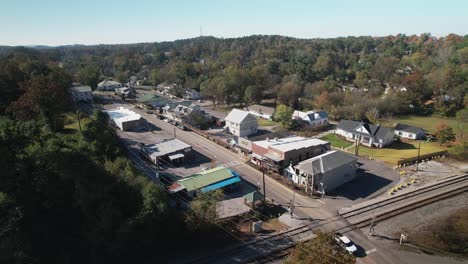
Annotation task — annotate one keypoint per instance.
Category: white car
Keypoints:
(346, 243)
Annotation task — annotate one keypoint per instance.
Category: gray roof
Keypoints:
(81, 89)
(237, 116)
(331, 160)
(261, 109)
(409, 128)
(375, 130)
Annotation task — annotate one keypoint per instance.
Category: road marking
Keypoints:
(322, 201)
(371, 251)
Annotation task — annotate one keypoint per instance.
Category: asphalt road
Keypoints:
(309, 209)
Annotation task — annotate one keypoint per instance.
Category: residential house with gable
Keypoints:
(368, 134)
(240, 123)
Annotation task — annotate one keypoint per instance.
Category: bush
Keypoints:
(459, 151)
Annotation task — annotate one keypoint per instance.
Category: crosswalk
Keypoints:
(231, 164)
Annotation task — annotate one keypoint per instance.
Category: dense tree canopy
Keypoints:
(395, 74)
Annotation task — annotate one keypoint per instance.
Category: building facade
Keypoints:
(240, 123)
(278, 153)
(323, 173)
(367, 134)
(410, 132)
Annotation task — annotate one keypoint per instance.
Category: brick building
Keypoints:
(278, 153)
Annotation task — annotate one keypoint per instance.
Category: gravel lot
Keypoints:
(387, 233)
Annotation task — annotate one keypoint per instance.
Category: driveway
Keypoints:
(373, 179)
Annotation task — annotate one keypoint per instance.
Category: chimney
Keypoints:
(267, 139)
(276, 139)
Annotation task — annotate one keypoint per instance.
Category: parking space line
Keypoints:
(322, 201)
(371, 251)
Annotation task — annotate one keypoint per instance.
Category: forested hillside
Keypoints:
(72, 196)
(346, 76)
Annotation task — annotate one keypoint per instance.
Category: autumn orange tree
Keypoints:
(321, 250)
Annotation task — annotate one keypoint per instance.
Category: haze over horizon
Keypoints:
(55, 23)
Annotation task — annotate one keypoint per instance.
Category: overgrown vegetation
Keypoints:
(321, 250)
(449, 234)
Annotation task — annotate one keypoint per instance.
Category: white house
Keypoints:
(240, 123)
(81, 94)
(407, 131)
(324, 172)
(193, 94)
(261, 111)
(108, 85)
(312, 118)
(368, 134)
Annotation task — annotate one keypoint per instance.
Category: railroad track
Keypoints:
(407, 201)
(261, 250)
(394, 212)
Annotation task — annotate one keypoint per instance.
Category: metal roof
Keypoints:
(330, 161)
(290, 143)
(220, 184)
(409, 128)
(237, 116)
(166, 147)
(206, 178)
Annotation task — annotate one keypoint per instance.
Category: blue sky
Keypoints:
(58, 22)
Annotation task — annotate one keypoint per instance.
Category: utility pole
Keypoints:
(175, 133)
(292, 207)
(264, 191)
(419, 153)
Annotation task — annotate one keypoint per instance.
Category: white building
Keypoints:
(368, 134)
(125, 119)
(108, 85)
(240, 123)
(325, 172)
(407, 131)
(261, 111)
(81, 94)
(312, 118)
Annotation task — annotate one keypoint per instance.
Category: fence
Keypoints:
(421, 157)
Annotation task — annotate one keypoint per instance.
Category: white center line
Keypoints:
(322, 201)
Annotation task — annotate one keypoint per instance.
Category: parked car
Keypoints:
(182, 127)
(345, 243)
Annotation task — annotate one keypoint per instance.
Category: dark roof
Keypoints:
(375, 130)
(408, 128)
(277, 134)
(331, 160)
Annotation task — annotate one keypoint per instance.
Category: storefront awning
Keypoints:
(176, 156)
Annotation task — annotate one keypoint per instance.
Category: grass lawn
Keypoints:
(429, 123)
(336, 142)
(71, 123)
(266, 122)
(401, 150)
